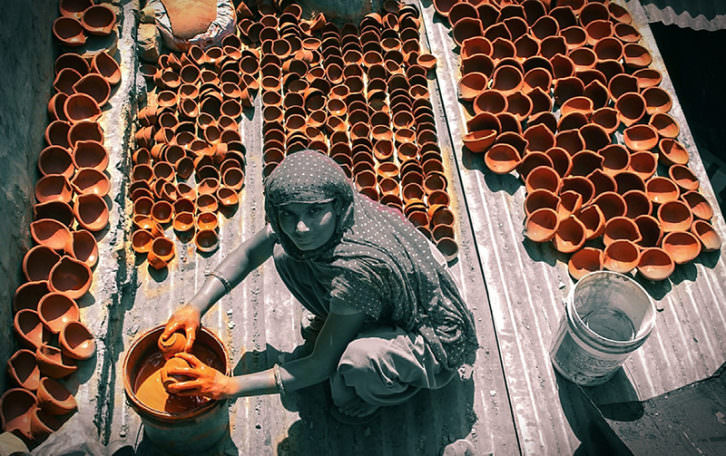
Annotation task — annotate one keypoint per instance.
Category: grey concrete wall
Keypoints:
(26, 75)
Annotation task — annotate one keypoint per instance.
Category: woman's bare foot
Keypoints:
(357, 407)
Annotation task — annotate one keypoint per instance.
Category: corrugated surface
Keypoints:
(527, 283)
(696, 14)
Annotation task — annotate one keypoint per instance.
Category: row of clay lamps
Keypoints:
(70, 208)
(359, 95)
(192, 128)
(609, 205)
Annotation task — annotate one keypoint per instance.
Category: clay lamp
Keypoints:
(656, 264)
(80, 107)
(427, 61)
(708, 236)
(76, 341)
(584, 261)
(611, 205)
(85, 131)
(569, 203)
(665, 125)
(448, 247)
(572, 121)
(206, 240)
(561, 161)
(54, 398)
(23, 369)
(593, 220)
(597, 92)
(650, 230)
(95, 86)
(585, 162)
(541, 225)
(90, 154)
(53, 187)
(631, 107)
(69, 31)
(620, 14)
(620, 256)
(55, 160)
(74, 8)
(675, 216)
(98, 20)
(643, 164)
(162, 212)
(620, 228)
(501, 158)
(490, 101)
(56, 310)
(539, 138)
(91, 181)
(227, 197)
(38, 262)
(577, 104)
(83, 247)
(507, 80)
(566, 88)
(57, 210)
(91, 212)
(682, 246)
(661, 190)
(601, 181)
(647, 77)
(143, 205)
(141, 241)
(570, 140)
(16, 408)
(525, 46)
(50, 233)
(55, 106)
(466, 27)
(209, 203)
(638, 203)
(107, 67)
(657, 101)
(70, 276)
(672, 152)
(561, 66)
(531, 161)
(53, 363)
(172, 345)
(583, 58)
(640, 137)
(628, 180)
(207, 221)
(162, 251)
(636, 56)
(520, 106)
(186, 191)
(594, 136)
(183, 222)
(700, 207)
(30, 328)
(570, 235)
(471, 85)
(581, 185)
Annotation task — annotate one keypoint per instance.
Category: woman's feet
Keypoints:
(355, 411)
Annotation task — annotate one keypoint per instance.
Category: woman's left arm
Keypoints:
(339, 329)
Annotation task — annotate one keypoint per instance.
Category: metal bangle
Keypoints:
(278, 379)
(220, 277)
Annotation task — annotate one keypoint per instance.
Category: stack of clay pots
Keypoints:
(360, 95)
(548, 91)
(70, 210)
(190, 127)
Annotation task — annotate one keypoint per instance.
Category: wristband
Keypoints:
(220, 277)
(278, 379)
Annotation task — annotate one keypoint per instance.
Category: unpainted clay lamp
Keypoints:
(541, 225)
(171, 364)
(91, 212)
(620, 228)
(672, 152)
(708, 236)
(448, 247)
(682, 246)
(683, 177)
(584, 261)
(56, 310)
(569, 202)
(620, 256)
(50, 233)
(16, 407)
(675, 216)
(95, 86)
(85, 130)
(38, 262)
(592, 219)
(661, 190)
(43, 423)
(656, 264)
(76, 341)
(53, 187)
(206, 240)
(23, 369)
(650, 230)
(616, 158)
(141, 241)
(81, 107)
(53, 363)
(29, 294)
(162, 251)
(539, 199)
(585, 162)
(83, 247)
(30, 328)
(172, 345)
(55, 160)
(699, 205)
(570, 235)
(643, 164)
(183, 222)
(637, 203)
(55, 398)
(639, 137)
(69, 31)
(611, 204)
(601, 181)
(90, 154)
(71, 277)
(91, 181)
(543, 177)
(665, 125)
(107, 66)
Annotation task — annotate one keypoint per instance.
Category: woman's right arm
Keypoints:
(230, 272)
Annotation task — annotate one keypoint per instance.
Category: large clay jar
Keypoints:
(656, 264)
(620, 256)
(54, 398)
(675, 216)
(16, 408)
(570, 235)
(541, 225)
(53, 363)
(91, 212)
(77, 341)
(682, 246)
(584, 261)
(23, 369)
(708, 236)
(56, 310)
(172, 345)
(30, 329)
(71, 277)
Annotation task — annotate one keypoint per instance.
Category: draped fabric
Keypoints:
(376, 261)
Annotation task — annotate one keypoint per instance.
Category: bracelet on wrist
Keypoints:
(221, 278)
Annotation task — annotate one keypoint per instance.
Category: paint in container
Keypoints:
(178, 425)
(607, 317)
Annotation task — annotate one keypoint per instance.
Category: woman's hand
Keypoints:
(184, 318)
(203, 380)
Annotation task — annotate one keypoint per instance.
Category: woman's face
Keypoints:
(308, 225)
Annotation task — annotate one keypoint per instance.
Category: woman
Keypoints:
(394, 321)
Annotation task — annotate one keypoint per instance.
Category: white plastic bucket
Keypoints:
(608, 316)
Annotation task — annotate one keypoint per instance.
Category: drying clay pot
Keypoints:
(53, 187)
(91, 212)
(98, 20)
(656, 264)
(206, 240)
(91, 181)
(502, 158)
(584, 261)
(50, 233)
(682, 246)
(661, 190)
(53, 363)
(581, 185)
(172, 345)
(38, 262)
(183, 222)
(672, 152)
(56, 310)
(647, 77)
(77, 341)
(631, 107)
(162, 251)
(650, 230)
(55, 160)
(90, 154)
(71, 277)
(683, 177)
(620, 256)
(570, 235)
(30, 328)
(561, 161)
(708, 236)
(29, 294)
(171, 364)
(620, 228)
(57, 210)
(593, 220)
(16, 408)
(700, 207)
(83, 247)
(675, 216)
(54, 398)
(23, 369)
(541, 225)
